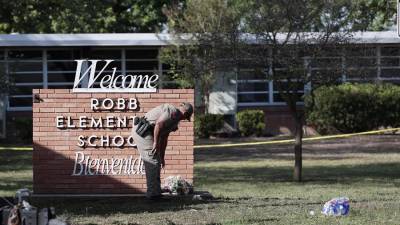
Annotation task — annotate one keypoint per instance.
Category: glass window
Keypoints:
(105, 54)
(253, 98)
(63, 54)
(278, 97)
(252, 75)
(23, 90)
(360, 51)
(25, 55)
(20, 101)
(390, 73)
(328, 73)
(61, 66)
(252, 86)
(333, 62)
(27, 78)
(295, 87)
(361, 73)
(26, 72)
(61, 77)
(166, 66)
(390, 51)
(141, 54)
(142, 65)
(54, 86)
(361, 62)
(385, 61)
(23, 66)
(289, 86)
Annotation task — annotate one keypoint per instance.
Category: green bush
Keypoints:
(207, 124)
(353, 107)
(389, 105)
(251, 122)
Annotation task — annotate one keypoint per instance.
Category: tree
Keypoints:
(281, 29)
(82, 16)
(281, 39)
(372, 15)
(206, 41)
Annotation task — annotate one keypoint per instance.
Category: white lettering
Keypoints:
(81, 157)
(59, 121)
(82, 121)
(86, 77)
(81, 142)
(94, 102)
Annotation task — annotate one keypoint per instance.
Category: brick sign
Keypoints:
(82, 143)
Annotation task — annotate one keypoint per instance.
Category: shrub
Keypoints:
(389, 105)
(207, 124)
(251, 122)
(353, 107)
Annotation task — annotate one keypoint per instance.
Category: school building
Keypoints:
(33, 61)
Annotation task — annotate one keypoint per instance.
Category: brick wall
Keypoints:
(278, 119)
(55, 148)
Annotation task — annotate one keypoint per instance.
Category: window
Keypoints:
(361, 63)
(142, 61)
(169, 76)
(25, 69)
(55, 68)
(61, 67)
(294, 87)
(253, 87)
(390, 63)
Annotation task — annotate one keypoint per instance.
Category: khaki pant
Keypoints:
(152, 164)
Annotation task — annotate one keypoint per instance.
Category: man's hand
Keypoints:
(162, 163)
(156, 148)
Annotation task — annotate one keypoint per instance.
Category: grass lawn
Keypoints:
(252, 185)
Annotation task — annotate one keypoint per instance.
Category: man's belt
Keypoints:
(143, 126)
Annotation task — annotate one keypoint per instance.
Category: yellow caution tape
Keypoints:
(16, 148)
(292, 140)
(259, 142)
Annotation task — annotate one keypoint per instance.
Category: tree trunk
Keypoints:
(298, 151)
(206, 100)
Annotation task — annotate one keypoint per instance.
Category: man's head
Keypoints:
(187, 109)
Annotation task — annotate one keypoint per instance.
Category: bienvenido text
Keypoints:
(89, 166)
(90, 78)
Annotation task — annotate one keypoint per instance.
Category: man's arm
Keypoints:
(157, 133)
(163, 147)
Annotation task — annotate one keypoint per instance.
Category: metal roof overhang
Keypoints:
(108, 39)
(148, 39)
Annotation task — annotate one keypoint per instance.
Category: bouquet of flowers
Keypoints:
(177, 185)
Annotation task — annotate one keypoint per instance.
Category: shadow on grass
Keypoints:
(284, 152)
(12, 162)
(125, 205)
(377, 172)
(11, 184)
(331, 149)
(15, 160)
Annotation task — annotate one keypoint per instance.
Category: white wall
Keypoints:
(223, 94)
